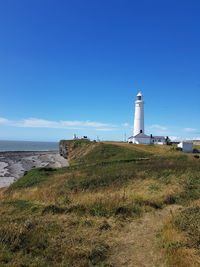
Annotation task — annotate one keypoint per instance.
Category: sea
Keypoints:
(27, 146)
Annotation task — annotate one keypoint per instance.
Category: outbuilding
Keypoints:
(186, 147)
(159, 140)
(140, 139)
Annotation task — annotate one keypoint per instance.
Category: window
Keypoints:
(139, 97)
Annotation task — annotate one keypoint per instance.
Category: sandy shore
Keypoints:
(14, 164)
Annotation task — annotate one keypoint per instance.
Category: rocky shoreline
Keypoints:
(14, 164)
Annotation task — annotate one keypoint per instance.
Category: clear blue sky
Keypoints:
(75, 67)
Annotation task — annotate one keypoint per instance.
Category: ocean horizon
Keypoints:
(27, 146)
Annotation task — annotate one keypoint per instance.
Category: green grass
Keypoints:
(28, 243)
(95, 177)
(20, 205)
(75, 142)
(32, 178)
(189, 222)
(37, 242)
(180, 238)
(69, 216)
(110, 153)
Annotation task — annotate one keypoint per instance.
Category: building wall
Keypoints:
(146, 141)
(139, 117)
(186, 147)
(140, 140)
(158, 141)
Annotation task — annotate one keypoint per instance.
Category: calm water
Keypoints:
(27, 146)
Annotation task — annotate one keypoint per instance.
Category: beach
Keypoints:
(13, 164)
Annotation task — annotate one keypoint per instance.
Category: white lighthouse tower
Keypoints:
(139, 115)
(139, 137)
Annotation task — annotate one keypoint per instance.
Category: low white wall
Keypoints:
(186, 147)
(159, 143)
(141, 141)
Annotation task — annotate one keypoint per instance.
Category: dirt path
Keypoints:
(137, 245)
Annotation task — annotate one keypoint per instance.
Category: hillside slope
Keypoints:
(82, 215)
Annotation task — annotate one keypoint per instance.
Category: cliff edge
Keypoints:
(75, 149)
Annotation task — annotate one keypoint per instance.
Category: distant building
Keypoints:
(159, 140)
(145, 139)
(139, 137)
(186, 147)
(75, 137)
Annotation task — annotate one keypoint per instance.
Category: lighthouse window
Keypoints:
(139, 97)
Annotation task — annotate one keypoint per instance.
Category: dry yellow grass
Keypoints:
(176, 253)
(155, 149)
(139, 190)
(110, 214)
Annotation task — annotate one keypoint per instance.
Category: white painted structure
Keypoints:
(159, 140)
(145, 139)
(186, 147)
(140, 139)
(139, 136)
(139, 115)
(75, 137)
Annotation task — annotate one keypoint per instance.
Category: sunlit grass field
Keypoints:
(72, 216)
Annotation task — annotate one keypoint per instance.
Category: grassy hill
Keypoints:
(74, 216)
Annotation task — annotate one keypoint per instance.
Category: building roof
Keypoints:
(185, 142)
(140, 135)
(140, 94)
(159, 137)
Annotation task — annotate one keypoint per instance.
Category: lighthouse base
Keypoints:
(140, 139)
(145, 139)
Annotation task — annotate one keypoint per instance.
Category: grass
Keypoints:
(20, 205)
(109, 153)
(71, 216)
(32, 178)
(188, 221)
(180, 238)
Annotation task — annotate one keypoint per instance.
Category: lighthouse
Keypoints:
(139, 115)
(139, 137)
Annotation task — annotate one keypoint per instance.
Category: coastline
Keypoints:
(13, 164)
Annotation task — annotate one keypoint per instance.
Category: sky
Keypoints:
(75, 66)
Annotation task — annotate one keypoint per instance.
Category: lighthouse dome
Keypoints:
(139, 96)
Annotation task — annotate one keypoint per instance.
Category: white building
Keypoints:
(159, 140)
(139, 136)
(139, 115)
(186, 147)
